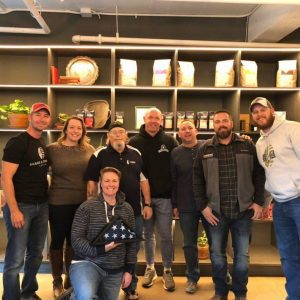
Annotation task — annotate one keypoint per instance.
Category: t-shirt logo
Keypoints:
(163, 148)
(268, 156)
(130, 162)
(41, 152)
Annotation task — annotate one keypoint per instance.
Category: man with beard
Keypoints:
(229, 191)
(128, 161)
(278, 151)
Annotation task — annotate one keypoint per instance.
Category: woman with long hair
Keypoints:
(69, 157)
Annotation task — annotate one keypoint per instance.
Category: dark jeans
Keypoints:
(189, 223)
(60, 220)
(240, 230)
(286, 217)
(27, 242)
(139, 221)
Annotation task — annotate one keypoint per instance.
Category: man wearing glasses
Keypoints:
(128, 161)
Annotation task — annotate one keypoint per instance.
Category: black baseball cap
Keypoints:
(115, 124)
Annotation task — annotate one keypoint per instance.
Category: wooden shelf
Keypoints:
(27, 76)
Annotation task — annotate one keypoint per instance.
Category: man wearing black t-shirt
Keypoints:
(24, 182)
(128, 161)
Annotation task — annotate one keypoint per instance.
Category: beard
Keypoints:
(267, 125)
(224, 133)
(118, 146)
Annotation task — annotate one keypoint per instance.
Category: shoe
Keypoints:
(149, 277)
(132, 295)
(168, 281)
(240, 298)
(218, 297)
(191, 287)
(67, 294)
(33, 297)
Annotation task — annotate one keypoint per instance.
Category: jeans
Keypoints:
(286, 218)
(162, 219)
(240, 230)
(91, 282)
(189, 223)
(139, 232)
(27, 241)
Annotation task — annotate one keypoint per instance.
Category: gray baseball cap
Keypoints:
(261, 101)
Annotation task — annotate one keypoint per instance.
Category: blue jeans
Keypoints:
(139, 220)
(240, 230)
(286, 218)
(162, 219)
(27, 242)
(90, 282)
(189, 223)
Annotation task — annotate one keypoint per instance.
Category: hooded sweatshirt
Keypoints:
(91, 216)
(156, 154)
(278, 152)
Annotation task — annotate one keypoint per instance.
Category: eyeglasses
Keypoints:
(117, 132)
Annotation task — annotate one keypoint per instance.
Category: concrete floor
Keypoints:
(259, 288)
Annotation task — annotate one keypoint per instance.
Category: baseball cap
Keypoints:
(39, 106)
(262, 101)
(115, 124)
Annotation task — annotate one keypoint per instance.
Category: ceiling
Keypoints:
(268, 20)
(138, 7)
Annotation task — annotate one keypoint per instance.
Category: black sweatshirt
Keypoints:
(156, 154)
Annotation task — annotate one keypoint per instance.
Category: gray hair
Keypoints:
(151, 109)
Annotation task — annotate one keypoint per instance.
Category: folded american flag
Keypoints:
(115, 231)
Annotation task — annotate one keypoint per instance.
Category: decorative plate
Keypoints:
(83, 67)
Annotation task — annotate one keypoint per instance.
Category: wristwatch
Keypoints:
(147, 204)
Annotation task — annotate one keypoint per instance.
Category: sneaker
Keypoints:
(132, 295)
(149, 277)
(218, 297)
(33, 297)
(168, 281)
(191, 287)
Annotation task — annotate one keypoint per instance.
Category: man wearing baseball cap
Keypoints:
(25, 186)
(128, 161)
(278, 151)
(39, 106)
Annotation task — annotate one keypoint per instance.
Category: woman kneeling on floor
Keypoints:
(100, 269)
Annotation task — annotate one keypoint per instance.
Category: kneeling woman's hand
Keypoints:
(111, 246)
(126, 280)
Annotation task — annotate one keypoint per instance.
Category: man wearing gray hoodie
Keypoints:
(278, 151)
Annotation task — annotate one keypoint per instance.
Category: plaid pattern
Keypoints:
(228, 181)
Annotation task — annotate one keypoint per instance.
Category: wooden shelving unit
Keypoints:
(25, 74)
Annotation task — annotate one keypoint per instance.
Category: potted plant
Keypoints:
(16, 113)
(203, 248)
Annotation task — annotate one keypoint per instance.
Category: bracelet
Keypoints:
(147, 204)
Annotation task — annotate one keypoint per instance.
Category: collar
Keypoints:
(111, 149)
(234, 138)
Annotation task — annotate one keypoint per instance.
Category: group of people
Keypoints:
(220, 181)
